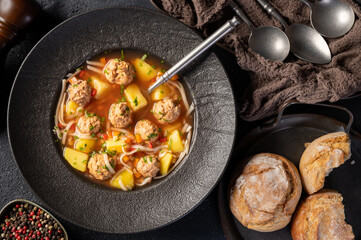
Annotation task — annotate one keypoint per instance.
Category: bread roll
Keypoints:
(266, 193)
(321, 216)
(320, 157)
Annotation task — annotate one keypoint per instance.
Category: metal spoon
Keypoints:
(270, 42)
(201, 48)
(331, 18)
(306, 42)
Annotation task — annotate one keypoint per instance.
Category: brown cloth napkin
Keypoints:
(274, 83)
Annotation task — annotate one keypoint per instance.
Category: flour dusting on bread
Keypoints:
(261, 195)
(321, 216)
(321, 157)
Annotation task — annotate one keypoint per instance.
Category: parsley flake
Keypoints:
(144, 57)
(122, 53)
(136, 101)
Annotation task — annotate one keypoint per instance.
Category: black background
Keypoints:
(201, 223)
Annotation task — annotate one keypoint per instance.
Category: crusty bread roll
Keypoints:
(266, 193)
(320, 157)
(321, 216)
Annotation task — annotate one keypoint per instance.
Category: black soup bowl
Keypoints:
(31, 120)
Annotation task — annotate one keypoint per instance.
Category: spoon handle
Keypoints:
(201, 48)
(272, 11)
(241, 14)
(308, 3)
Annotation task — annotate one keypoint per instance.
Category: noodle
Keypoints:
(83, 135)
(79, 109)
(115, 176)
(188, 141)
(184, 128)
(56, 119)
(98, 64)
(144, 149)
(61, 114)
(94, 69)
(145, 181)
(106, 160)
(162, 154)
(126, 166)
(181, 90)
(190, 110)
(122, 186)
(66, 131)
(73, 75)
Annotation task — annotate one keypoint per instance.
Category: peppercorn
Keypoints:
(24, 221)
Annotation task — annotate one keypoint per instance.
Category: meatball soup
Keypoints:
(112, 131)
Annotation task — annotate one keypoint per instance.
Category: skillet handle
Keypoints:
(288, 104)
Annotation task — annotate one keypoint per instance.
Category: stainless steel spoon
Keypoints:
(306, 42)
(201, 48)
(331, 18)
(270, 42)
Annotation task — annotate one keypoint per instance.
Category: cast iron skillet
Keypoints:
(286, 136)
(32, 107)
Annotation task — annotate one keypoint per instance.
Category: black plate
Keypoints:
(288, 139)
(32, 106)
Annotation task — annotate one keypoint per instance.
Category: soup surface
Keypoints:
(112, 130)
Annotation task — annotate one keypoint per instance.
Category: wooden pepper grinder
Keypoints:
(15, 18)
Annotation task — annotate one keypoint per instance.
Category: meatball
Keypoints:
(166, 111)
(89, 124)
(147, 130)
(120, 115)
(98, 168)
(80, 92)
(119, 72)
(148, 166)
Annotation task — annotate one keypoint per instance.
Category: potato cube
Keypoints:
(165, 162)
(85, 145)
(126, 178)
(135, 97)
(113, 145)
(71, 107)
(144, 71)
(171, 127)
(161, 92)
(76, 159)
(175, 142)
(101, 87)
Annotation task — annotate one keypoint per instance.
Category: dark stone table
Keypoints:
(203, 222)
